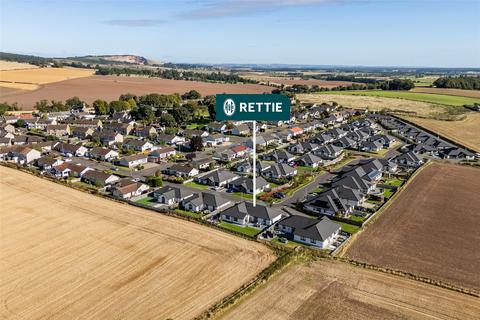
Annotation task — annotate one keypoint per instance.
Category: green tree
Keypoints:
(192, 94)
(196, 143)
(74, 103)
(181, 115)
(209, 102)
(101, 107)
(144, 113)
(20, 123)
(154, 181)
(117, 106)
(167, 120)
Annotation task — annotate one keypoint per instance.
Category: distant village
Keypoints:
(320, 175)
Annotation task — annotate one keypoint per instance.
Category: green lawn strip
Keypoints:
(387, 193)
(248, 231)
(350, 228)
(148, 201)
(394, 182)
(243, 195)
(189, 214)
(197, 185)
(357, 219)
(442, 99)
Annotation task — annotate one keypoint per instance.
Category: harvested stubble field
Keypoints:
(12, 65)
(31, 79)
(65, 254)
(337, 290)
(430, 229)
(111, 87)
(293, 80)
(465, 132)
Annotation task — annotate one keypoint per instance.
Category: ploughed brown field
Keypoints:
(111, 87)
(65, 254)
(335, 290)
(430, 229)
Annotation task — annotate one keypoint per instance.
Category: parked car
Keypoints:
(279, 195)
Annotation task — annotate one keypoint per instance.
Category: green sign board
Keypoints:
(263, 107)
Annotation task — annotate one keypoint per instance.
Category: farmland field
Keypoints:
(465, 132)
(451, 92)
(31, 79)
(443, 99)
(12, 65)
(66, 254)
(430, 229)
(111, 87)
(336, 290)
(295, 80)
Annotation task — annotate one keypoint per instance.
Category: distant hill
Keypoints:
(113, 59)
(23, 58)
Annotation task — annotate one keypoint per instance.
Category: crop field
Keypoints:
(430, 229)
(31, 79)
(111, 87)
(12, 65)
(451, 92)
(336, 290)
(375, 103)
(442, 99)
(65, 254)
(465, 132)
(294, 80)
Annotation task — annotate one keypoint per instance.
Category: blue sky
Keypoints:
(323, 32)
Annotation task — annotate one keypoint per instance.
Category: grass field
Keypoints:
(66, 254)
(199, 186)
(430, 229)
(442, 99)
(451, 92)
(111, 87)
(335, 290)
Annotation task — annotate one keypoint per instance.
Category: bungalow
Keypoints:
(82, 132)
(319, 233)
(217, 178)
(94, 124)
(458, 153)
(170, 139)
(133, 160)
(190, 133)
(58, 130)
(279, 171)
(137, 145)
(217, 127)
(161, 153)
(310, 160)
(216, 139)
(386, 141)
(242, 166)
(70, 150)
(103, 154)
(408, 160)
(99, 178)
(244, 213)
(245, 185)
(345, 142)
(322, 138)
(67, 168)
(20, 154)
(329, 152)
(296, 131)
(127, 188)
(146, 132)
(329, 203)
(183, 171)
(47, 163)
(370, 146)
(205, 201)
(302, 147)
(241, 130)
(24, 139)
(171, 195)
(203, 163)
(225, 155)
(122, 128)
(240, 151)
(279, 156)
(107, 137)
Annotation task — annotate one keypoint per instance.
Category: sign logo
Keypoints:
(261, 107)
(229, 107)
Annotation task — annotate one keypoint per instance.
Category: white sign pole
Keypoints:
(254, 163)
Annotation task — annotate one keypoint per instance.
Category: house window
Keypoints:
(312, 240)
(302, 238)
(235, 219)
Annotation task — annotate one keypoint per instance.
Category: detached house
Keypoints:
(245, 185)
(241, 130)
(279, 171)
(217, 178)
(99, 178)
(245, 213)
(171, 195)
(122, 128)
(205, 201)
(58, 130)
(161, 153)
(279, 156)
(70, 150)
(103, 154)
(408, 160)
(310, 160)
(181, 171)
(137, 145)
(133, 160)
(319, 233)
(107, 137)
(126, 189)
(20, 154)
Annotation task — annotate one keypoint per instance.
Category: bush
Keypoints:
(154, 181)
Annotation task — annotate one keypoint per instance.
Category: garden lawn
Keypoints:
(248, 231)
(394, 182)
(148, 201)
(350, 228)
(197, 185)
(196, 215)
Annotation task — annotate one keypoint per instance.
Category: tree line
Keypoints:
(174, 74)
(461, 82)
(4, 107)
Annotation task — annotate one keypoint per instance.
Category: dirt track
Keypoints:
(431, 229)
(336, 290)
(111, 87)
(65, 254)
